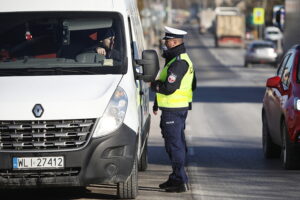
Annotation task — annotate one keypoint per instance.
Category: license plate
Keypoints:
(262, 52)
(38, 162)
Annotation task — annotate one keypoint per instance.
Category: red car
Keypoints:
(281, 112)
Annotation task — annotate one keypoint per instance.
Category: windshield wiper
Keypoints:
(7, 73)
(61, 70)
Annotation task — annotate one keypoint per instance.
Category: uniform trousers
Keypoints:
(172, 126)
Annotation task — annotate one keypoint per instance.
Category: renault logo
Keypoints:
(38, 110)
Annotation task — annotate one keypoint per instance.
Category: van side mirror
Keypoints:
(150, 65)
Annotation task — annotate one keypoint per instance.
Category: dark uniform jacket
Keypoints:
(176, 70)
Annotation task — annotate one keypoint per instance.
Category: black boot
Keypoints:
(166, 184)
(183, 187)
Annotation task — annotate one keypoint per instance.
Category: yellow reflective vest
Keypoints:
(182, 96)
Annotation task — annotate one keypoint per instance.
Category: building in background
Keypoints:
(157, 13)
(291, 29)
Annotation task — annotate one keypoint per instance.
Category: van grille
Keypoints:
(10, 174)
(45, 135)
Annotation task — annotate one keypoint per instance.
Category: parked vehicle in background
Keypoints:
(260, 52)
(229, 27)
(281, 112)
(272, 33)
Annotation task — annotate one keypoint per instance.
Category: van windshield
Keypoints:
(64, 43)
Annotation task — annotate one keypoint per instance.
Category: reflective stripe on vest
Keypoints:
(182, 96)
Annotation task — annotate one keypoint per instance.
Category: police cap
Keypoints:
(173, 33)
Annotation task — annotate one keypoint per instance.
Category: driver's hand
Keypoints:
(101, 51)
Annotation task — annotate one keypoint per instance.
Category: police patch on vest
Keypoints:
(172, 78)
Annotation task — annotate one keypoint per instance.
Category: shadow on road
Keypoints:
(232, 94)
(56, 193)
(151, 189)
(229, 94)
(221, 154)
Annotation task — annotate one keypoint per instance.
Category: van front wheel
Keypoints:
(129, 189)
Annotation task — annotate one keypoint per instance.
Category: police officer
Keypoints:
(174, 89)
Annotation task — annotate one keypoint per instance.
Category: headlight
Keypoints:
(297, 104)
(114, 114)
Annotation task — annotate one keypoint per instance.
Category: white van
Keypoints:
(69, 116)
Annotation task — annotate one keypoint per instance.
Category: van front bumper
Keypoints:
(107, 159)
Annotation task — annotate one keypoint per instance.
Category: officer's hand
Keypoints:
(155, 109)
(155, 86)
(101, 51)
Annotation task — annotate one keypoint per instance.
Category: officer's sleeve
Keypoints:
(91, 49)
(155, 105)
(175, 74)
(194, 83)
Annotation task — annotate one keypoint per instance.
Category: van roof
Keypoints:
(63, 5)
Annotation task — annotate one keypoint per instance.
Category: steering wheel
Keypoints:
(89, 58)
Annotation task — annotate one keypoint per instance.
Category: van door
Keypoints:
(142, 87)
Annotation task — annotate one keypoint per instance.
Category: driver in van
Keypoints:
(106, 43)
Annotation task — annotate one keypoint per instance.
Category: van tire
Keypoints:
(129, 189)
(143, 163)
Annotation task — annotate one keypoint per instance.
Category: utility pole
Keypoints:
(169, 12)
(140, 4)
(264, 5)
